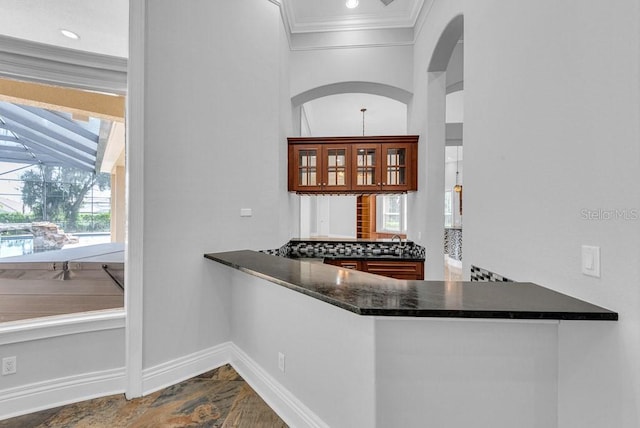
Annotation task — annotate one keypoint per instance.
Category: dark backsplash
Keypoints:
(317, 249)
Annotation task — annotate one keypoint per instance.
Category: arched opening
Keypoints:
(335, 110)
(442, 138)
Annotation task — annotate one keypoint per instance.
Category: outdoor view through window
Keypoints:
(58, 250)
(77, 202)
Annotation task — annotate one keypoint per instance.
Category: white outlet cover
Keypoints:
(246, 212)
(8, 366)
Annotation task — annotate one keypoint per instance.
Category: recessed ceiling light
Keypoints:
(351, 4)
(70, 34)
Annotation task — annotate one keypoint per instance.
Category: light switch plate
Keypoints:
(246, 212)
(591, 260)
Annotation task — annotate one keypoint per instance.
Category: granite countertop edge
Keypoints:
(295, 287)
(241, 260)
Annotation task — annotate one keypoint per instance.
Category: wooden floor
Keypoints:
(34, 298)
(219, 398)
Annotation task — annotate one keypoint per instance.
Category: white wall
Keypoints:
(61, 360)
(213, 145)
(329, 358)
(386, 65)
(551, 128)
(540, 78)
(359, 371)
(329, 215)
(459, 373)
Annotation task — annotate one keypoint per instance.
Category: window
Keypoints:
(391, 213)
(448, 209)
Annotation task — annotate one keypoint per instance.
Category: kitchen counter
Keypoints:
(367, 294)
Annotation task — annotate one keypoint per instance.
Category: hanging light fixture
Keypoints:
(352, 4)
(363, 110)
(458, 187)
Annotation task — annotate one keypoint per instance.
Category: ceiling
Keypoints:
(103, 29)
(103, 25)
(331, 15)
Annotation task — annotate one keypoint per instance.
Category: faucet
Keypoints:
(402, 244)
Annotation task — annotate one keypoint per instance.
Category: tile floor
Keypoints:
(452, 273)
(219, 398)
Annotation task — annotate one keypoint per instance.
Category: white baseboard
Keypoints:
(183, 368)
(283, 402)
(280, 399)
(58, 392)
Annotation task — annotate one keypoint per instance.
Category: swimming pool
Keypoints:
(23, 244)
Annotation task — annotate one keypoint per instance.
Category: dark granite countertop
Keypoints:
(368, 294)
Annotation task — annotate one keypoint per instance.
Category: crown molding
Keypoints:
(48, 64)
(363, 34)
(362, 22)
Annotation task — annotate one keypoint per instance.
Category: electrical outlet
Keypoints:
(281, 361)
(8, 366)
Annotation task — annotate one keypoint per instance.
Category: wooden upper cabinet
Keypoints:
(353, 164)
(319, 168)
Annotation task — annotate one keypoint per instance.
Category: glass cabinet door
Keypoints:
(396, 166)
(336, 168)
(366, 167)
(308, 168)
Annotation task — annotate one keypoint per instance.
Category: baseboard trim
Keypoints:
(59, 392)
(280, 399)
(183, 368)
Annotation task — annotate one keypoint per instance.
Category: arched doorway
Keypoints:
(435, 156)
(336, 110)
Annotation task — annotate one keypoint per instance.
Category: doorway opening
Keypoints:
(351, 216)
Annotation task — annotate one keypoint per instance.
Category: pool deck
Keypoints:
(63, 281)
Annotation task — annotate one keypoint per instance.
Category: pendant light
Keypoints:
(363, 110)
(458, 187)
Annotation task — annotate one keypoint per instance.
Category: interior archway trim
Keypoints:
(381, 89)
(446, 44)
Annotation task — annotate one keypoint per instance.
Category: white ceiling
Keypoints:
(103, 25)
(331, 15)
(103, 28)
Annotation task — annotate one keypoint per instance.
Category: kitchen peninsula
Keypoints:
(397, 352)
